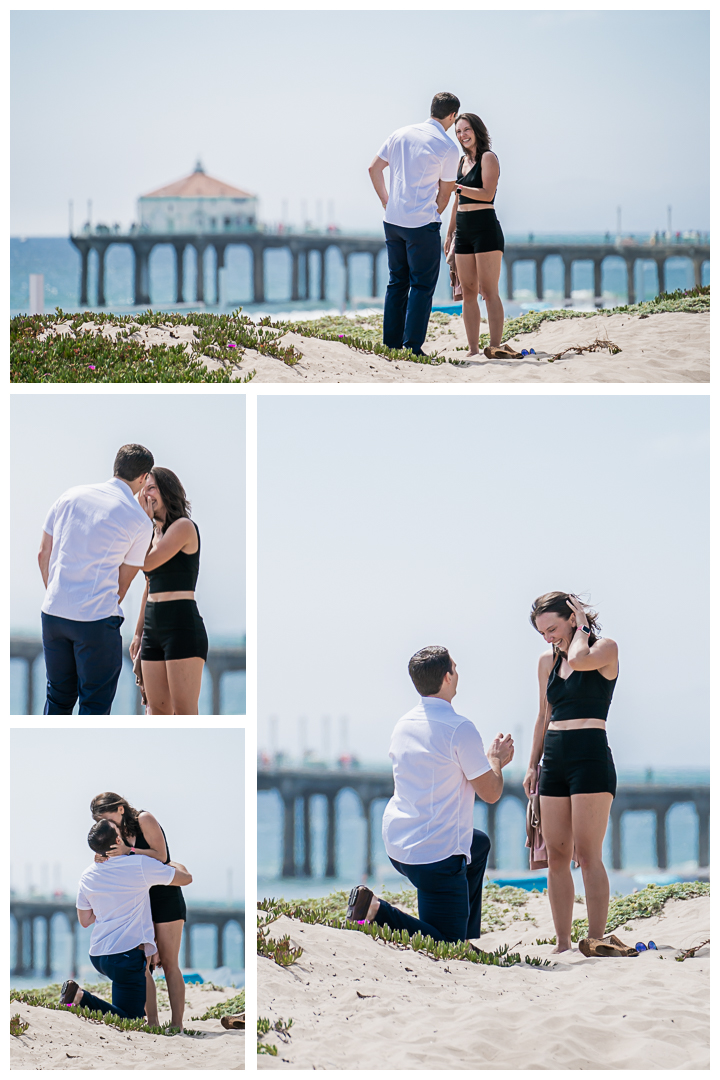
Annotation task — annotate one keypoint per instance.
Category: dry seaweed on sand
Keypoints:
(595, 346)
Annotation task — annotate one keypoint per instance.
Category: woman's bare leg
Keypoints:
(151, 1011)
(590, 815)
(488, 274)
(467, 272)
(157, 688)
(184, 679)
(556, 817)
(168, 936)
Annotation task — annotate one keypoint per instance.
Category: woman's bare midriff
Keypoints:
(159, 597)
(463, 209)
(575, 725)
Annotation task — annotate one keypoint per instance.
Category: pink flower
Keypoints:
(232, 345)
(341, 335)
(91, 366)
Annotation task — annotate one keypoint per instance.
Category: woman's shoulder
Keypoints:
(183, 526)
(146, 818)
(490, 154)
(545, 662)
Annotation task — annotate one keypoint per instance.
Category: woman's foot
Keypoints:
(563, 946)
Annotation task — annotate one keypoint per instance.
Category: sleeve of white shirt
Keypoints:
(138, 551)
(384, 151)
(50, 520)
(469, 751)
(157, 873)
(82, 901)
(450, 164)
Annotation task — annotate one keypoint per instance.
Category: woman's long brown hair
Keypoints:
(557, 604)
(172, 494)
(110, 801)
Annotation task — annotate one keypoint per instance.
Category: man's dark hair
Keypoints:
(132, 461)
(102, 837)
(444, 105)
(428, 669)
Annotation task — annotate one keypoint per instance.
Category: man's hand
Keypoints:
(502, 749)
(154, 961)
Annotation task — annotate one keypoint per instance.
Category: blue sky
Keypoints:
(191, 779)
(387, 523)
(61, 440)
(588, 109)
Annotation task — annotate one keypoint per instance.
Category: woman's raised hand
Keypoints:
(530, 781)
(577, 609)
(119, 848)
(145, 503)
(100, 858)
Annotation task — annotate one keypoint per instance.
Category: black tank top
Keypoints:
(583, 695)
(142, 845)
(178, 574)
(473, 179)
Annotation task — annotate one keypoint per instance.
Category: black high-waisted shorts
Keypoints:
(477, 231)
(167, 903)
(173, 630)
(577, 763)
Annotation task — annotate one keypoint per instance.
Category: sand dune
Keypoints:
(360, 1004)
(664, 347)
(56, 1040)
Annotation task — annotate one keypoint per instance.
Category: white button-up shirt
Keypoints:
(435, 753)
(419, 157)
(95, 528)
(118, 894)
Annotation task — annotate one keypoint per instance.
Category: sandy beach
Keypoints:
(57, 1040)
(667, 346)
(361, 1004)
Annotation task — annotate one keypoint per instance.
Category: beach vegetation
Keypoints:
(229, 1007)
(95, 1016)
(18, 1026)
(281, 951)
(312, 912)
(643, 904)
(280, 1027)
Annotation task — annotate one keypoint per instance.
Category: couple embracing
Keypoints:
(95, 540)
(440, 765)
(425, 171)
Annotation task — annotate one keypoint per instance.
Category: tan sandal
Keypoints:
(607, 946)
(236, 1022)
(502, 352)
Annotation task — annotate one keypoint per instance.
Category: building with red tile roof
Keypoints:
(197, 204)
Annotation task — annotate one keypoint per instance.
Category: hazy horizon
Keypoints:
(584, 108)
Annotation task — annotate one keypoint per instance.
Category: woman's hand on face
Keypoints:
(145, 504)
(530, 781)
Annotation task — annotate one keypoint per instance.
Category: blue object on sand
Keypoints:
(640, 947)
(524, 353)
(652, 945)
(532, 352)
(528, 883)
(194, 978)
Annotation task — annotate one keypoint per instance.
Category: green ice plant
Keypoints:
(279, 1027)
(95, 1016)
(229, 1007)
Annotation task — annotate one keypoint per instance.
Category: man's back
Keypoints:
(435, 752)
(95, 528)
(117, 891)
(419, 156)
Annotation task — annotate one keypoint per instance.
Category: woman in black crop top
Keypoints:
(577, 780)
(479, 241)
(170, 639)
(140, 832)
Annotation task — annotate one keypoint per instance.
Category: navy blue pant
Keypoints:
(414, 263)
(82, 660)
(126, 972)
(449, 895)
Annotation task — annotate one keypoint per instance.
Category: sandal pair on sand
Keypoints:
(607, 946)
(235, 1022)
(502, 352)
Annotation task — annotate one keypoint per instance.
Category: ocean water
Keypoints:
(59, 261)
(638, 844)
(203, 955)
(232, 691)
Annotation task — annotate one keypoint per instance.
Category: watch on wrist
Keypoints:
(584, 630)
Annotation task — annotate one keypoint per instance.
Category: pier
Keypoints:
(219, 661)
(300, 246)
(27, 912)
(296, 788)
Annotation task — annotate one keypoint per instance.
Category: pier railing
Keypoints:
(220, 659)
(300, 245)
(296, 788)
(27, 912)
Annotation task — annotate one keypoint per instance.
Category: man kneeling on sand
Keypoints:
(114, 897)
(439, 764)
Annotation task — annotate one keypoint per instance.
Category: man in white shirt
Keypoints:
(114, 898)
(439, 765)
(94, 541)
(423, 162)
